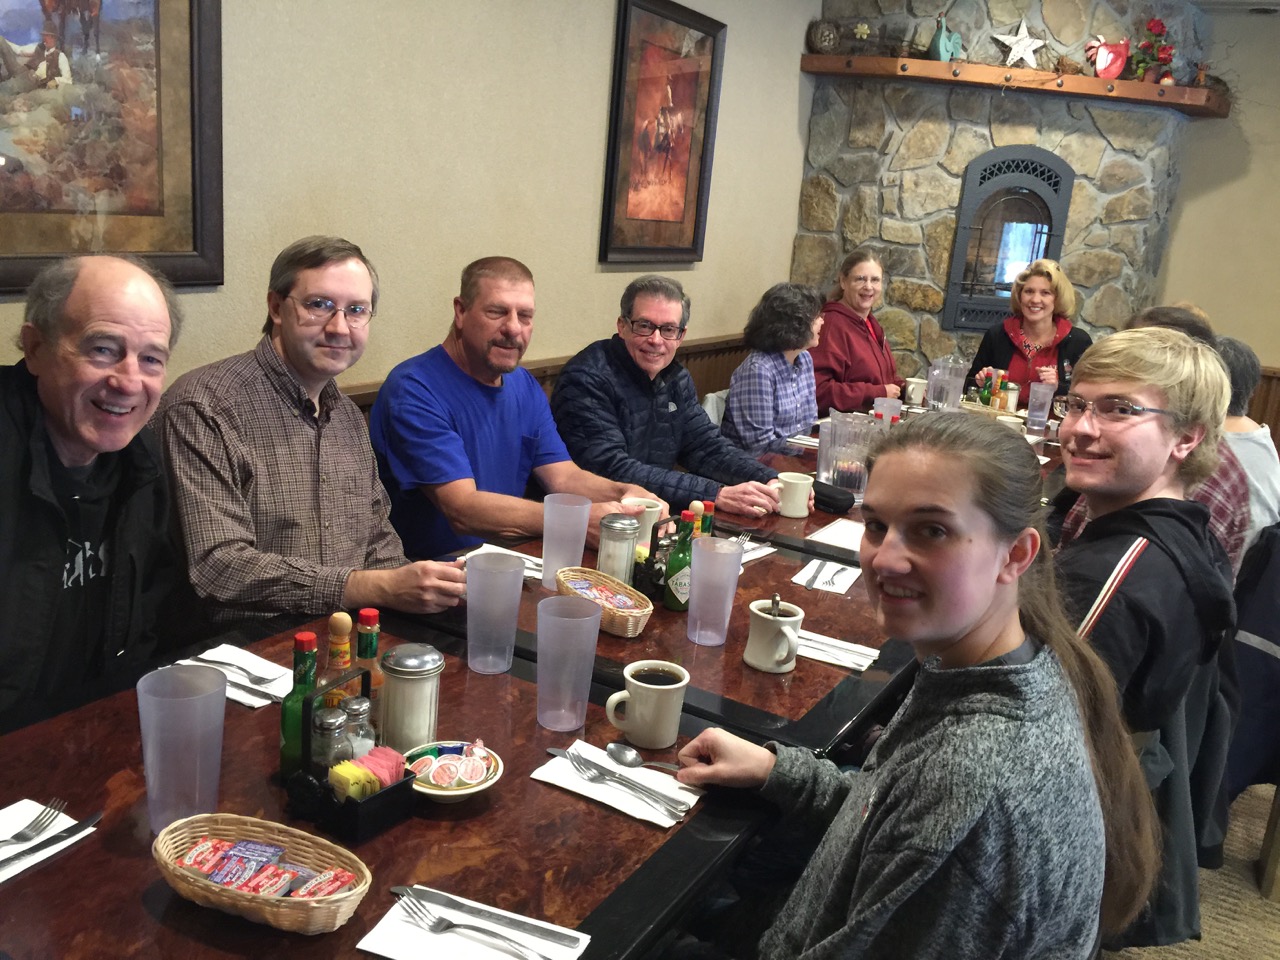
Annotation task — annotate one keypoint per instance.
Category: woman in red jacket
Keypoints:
(852, 365)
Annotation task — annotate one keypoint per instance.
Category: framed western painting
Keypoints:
(667, 62)
(111, 134)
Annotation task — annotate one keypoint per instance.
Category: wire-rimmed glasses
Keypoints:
(318, 311)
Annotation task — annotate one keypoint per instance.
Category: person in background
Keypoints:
(1225, 491)
(34, 66)
(461, 429)
(85, 558)
(627, 409)
(1002, 812)
(771, 394)
(1038, 343)
(1150, 588)
(1250, 441)
(853, 364)
(277, 492)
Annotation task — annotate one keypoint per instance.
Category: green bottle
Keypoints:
(679, 573)
(304, 681)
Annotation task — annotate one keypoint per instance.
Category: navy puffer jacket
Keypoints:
(620, 424)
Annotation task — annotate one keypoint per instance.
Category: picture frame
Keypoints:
(667, 66)
(172, 216)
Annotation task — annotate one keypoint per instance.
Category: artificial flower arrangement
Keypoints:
(1154, 54)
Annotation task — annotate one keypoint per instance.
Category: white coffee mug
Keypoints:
(652, 511)
(794, 494)
(772, 642)
(1015, 424)
(654, 696)
(914, 393)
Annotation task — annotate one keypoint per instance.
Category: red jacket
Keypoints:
(852, 361)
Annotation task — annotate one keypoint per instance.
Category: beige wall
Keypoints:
(1226, 225)
(432, 133)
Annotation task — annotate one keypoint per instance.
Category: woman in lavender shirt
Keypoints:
(772, 394)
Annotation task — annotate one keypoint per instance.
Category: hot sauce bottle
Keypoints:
(339, 661)
(304, 681)
(367, 630)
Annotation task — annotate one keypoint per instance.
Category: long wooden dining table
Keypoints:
(522, 845)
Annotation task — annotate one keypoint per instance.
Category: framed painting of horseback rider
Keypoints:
(111, 135)
(667, 63)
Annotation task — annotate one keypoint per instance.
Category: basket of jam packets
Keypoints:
(451, 770)
(623, 610)
(262, 871)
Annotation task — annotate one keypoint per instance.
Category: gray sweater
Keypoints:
(973, 830)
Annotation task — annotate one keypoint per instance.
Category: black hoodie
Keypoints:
(1166, 636)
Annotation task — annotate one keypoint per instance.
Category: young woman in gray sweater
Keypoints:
(1002, 812)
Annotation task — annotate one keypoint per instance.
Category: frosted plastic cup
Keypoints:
(494, 581)
(1039, 399)
(564, 534)
(568, 628)
(716, 565)
(795, 494)
(181, 711)
(652, 511)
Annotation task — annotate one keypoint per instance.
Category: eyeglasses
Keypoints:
(318, 311)
(1115, 409)
(645, 328)
(873, 281)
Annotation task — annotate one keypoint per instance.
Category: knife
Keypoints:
(816, 573)
(676, 808)
(66, 834)
(518, 924)
(256, 691)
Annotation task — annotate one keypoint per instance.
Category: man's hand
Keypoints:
(631, 490)
(601, 510)
(751, 499)
(717, 758)
(422, 587)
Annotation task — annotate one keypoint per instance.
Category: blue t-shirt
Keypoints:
(432, 423)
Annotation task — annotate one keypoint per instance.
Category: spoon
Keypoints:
(626, 755)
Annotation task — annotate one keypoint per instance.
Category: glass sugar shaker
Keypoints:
(616, 555)
(329, 743)
(359, 730)
(410, 695)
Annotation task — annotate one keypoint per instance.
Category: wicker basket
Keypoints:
(620, 623)
(318, 915)
(991, 411)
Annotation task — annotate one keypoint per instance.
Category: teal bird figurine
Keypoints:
(945, 45)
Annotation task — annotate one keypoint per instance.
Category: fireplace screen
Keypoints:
(1013, 209)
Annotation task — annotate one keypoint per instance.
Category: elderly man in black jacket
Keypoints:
(628, 411)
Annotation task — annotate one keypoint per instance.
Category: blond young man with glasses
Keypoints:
(1150, 586)
(278, 498)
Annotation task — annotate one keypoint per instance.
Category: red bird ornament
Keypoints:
(1108, 59)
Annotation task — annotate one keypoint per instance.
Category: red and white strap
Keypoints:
(1122, 568)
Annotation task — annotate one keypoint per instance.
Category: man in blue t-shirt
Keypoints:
(459, 429)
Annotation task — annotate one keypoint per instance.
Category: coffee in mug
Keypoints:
(654, 699)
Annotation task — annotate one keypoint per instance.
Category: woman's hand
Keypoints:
(1048, 374)
(892, 391)
(717, 758)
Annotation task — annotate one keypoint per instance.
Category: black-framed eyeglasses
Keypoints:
(318, 311)
(1115, 409)
(645, 328)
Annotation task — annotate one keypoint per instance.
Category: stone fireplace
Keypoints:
(887, 161)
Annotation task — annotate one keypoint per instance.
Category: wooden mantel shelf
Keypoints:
(1194, 101)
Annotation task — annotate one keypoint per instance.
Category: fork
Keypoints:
(243, 671)
(42, 822)
(433, 923)
(831, 580)
(655, 800)
(743, 538)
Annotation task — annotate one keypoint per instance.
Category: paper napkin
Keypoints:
(755, 551)
(532, 565)
(840, 533)
(840, 653)
(280, 685)
(841, 577)
(559, 772)
(399, 938)
(16, 816)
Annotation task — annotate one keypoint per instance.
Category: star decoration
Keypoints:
(1022, 46)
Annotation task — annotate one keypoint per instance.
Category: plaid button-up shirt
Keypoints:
(770, 400)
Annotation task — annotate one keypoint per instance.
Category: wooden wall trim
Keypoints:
(709, 360)
(1265, 405)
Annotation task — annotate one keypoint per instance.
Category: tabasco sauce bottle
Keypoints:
(675, 595)
(304, 681)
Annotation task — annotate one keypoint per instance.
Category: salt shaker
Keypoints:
(359, 729)
(616, 556)
(410, 695)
